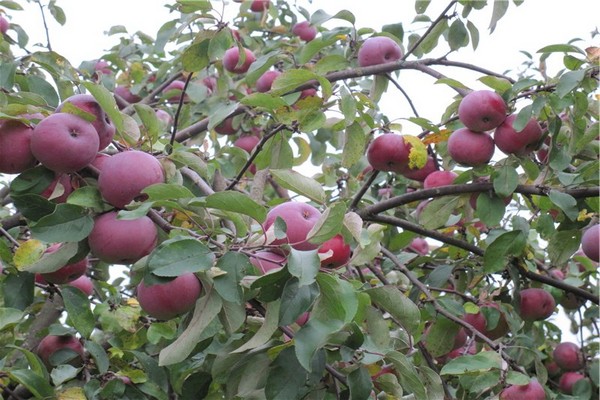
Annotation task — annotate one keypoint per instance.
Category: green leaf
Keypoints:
(506, 180)
(264, 100)
(232, 316)
(266, 330)
(150, 122)
(34, 180)
(320, 16)
(500, 85)
(395, 29)
(295, 300)
(407, 373)
(37, 385)
(523, 118)
(566, 202)
(51, 262)
(439, 340)
(354, 144)
(400, 307)
(286, 377)
(237, 202)
(9, 317)
(338, 300)
(35, 363)
(304, 265)
(108, 103)
(569, 81)
(167, 191)
(437, 212)
(276, 153)
(87, 196)
(500, 7)
(299, 184)
(458, 36)
(234, 266)
(421, 6)
(328, 225)
(474, 32)
(291, 79)
(561, 48)
(221, 112)
(18, 290)
(507, 244)
(313, 47)
(430, 42)
(195, 57)
(68, 223)
(207, 308)
(78, 308)
(490, 209)
(312, 337)
(99, 355)
(180, 255)
(479, 363)
(360, 383)
(57, 13)
(63, 373)
(562, 245)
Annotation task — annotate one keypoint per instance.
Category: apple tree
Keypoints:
(224, 211)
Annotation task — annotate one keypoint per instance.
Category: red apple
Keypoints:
(341, 252)
(125, 93)
(419, 246)
(378, 50)
(303, 318)
(520, 143)
(175, 88)
(51, 344)
(482, 110)
(421, 173)
(83, 283)
(536, 304)
(461, 351)
(439, 178)
(102, 67)
(470, 148)
(99, 161)
(104, 126)
(247, 142)
(568, 356)
(124, 176)
(590, 243)
(479, 322)
(66, 187)
(4, 25)
(232, 57)
(210, 82)
(64, 142)
(15, 145)
(389, 152)
(164, 117)
(226, 127)
(168, 300)
(568, 380)
(299, 219)
(532, 391)
(305, 31)
(265, 81)
(260, 5)
(69, 272)
(267, 261)
(122, 241)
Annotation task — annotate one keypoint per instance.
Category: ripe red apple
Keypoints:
(64, 142)
(479, 322)
(102, 67)
(164, 117)
(536, 304)
(568, 380)
(419, 246)
(305, 31)
(378, 50)
(99, 161)
(532, 391)
(267, 261)
(83, 283)
(51, 344)
(4, 25)
(211, 82)
(590, 243)
(341, 252)
(15, 145)
(176, 87)
(439, 178)
(226, 127)
(260, 5)
(122, 241)
(482, 110)
(470, 148)
(389, 152)
(232, 57)
(520, 143)
(303, 318)
(168, 300)
(125, 93)
(69, 272)
(568, 356)
(124, 176)
(461, 351)
(67, 188)
(265, 81)
(104, 126)
(421, 173)
(247, 142)
(299, 219)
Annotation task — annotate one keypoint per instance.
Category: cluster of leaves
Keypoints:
(365, 337)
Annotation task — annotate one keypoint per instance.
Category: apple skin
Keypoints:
(210, 82)
(389, 152)
(341, 252)
(4, 25)
(419, 246)
(260, 5)
(479, 322)
(482, 110)
(439, 178)
(247, 142)
(590, 243)
(121, 241)
(104, 126)
(164, 117)
(231, 58)
(536, 304)
(568, 356)
(226, 127)
(83, 283)
(265, 81)
(64, 142)
(471, 350)
(520, 143)
(69, 272)
(421, 173)
(532, 391)
(65, 181)
(102, 67)
(299, 219)
(470, 148)
(52, 343)
(305, 31)
(125, 93)
(175, 86)
(567, 381)
(15, 145)
(124, 176)
(267, 261)
(378, 50)
(167, 300)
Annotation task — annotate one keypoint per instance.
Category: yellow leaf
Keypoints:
(438, 137)
(417, 158)
(28, 253)
(72, 393)
(584, 215)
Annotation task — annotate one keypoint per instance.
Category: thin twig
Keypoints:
(178, 112)
(430, 29)
(49, 46)
(363, 190)
(406, 96)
